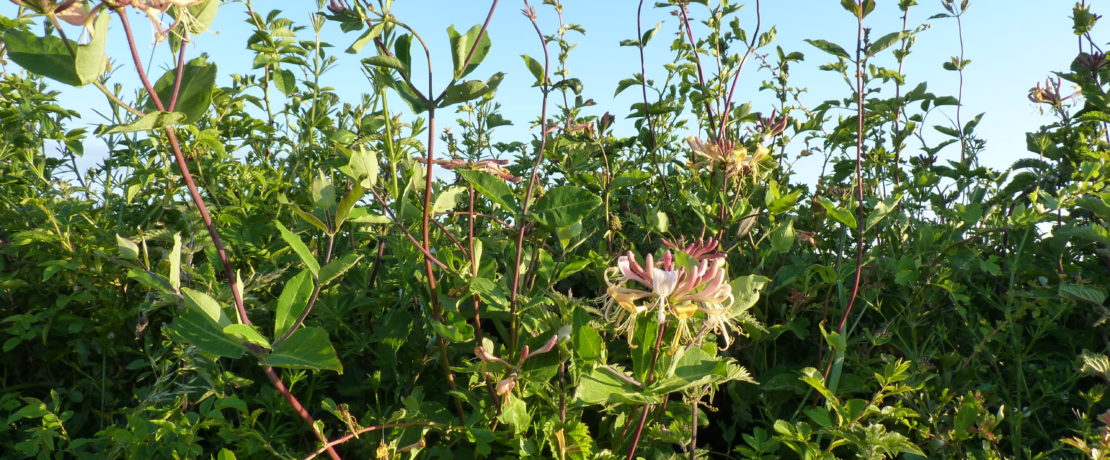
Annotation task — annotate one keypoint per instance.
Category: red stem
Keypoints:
(198, 201)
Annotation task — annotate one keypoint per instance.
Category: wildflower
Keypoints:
(490, 166)
(734, 157)
(1050, 94)
(72, 12)
(664, 289)
(155, 8)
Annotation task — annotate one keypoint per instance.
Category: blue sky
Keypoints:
(1012, 44)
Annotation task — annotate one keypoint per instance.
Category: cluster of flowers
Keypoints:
(661, 288)
(76, 12)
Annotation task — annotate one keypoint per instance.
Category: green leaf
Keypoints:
(91, 60)
(198, 79)
(225, 455)
(308, 348)
(883, 43)
(175, 262)
(745, 291)
(292, 302)
(470, 90)
(299, 248)
(881, 210)
(844, 216)
(388, 62)
(323, 192)
(246, 333)
(195, 328)
(366, 38)
(601, 387)
(625, 84)
(491, 187)
(448, 199)
(127, 248)
(535, 68)
(347, 203)
(364, 216)
(514, 412)
(363, 167)
(284, 80)
(402, 48)
(203, 303)
(644, 39)
(814, 378)
(152, 120)
(829, 47)
(1088, 294)
(462, 45)
(457, 332)
(46, 56)
(338, 267)
(310, 218)
(564, 205)
(782, 237)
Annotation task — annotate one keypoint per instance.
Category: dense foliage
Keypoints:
(272, 269)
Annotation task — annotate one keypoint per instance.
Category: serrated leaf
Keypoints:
(284, 80)
(307, 348)
(1090, 294)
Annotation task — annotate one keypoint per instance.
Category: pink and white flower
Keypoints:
(661, 288)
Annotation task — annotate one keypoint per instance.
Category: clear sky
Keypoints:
(1012, 45)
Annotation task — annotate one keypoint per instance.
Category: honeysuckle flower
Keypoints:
(490, 166)
(666, 290)
(155, 8)
(72, 12)
(734, 157)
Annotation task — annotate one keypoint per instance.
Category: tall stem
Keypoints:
(198, 201)
(859, 170)
(515, 286)
(648, 381)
